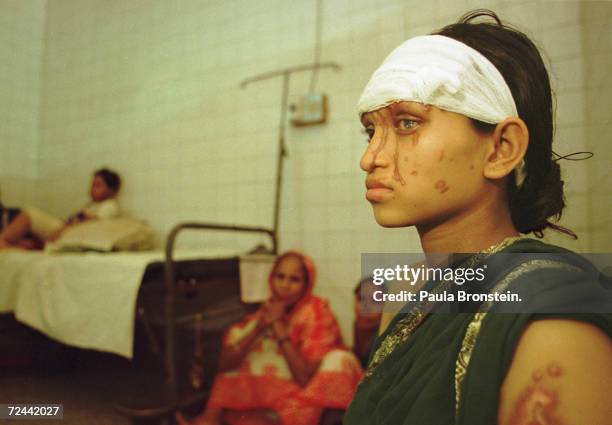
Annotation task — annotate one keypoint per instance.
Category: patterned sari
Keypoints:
(264, 380)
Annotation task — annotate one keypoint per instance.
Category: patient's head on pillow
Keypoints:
(105, 185)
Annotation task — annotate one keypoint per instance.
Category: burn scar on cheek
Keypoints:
(441, 186)
(441, 156)
(396, 173)
(379, 120)
(537, 404)
(387, 134)
(384, 120)
(413, 172)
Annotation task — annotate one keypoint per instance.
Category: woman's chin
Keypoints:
(289, 302)
(390, 219)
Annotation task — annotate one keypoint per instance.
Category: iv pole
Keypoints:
(282, 151)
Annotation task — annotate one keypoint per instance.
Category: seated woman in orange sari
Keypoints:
(285, 363)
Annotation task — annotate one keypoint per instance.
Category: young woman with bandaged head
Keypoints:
(460, 146)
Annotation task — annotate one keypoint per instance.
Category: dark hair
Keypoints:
(366, 281)
(540, 197)
(111, 178)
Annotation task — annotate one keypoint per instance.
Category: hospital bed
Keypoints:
(202, 299)
(90, 300)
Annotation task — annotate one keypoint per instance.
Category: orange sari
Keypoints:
(264, 380)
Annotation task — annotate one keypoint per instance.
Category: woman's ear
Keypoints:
(511, 138)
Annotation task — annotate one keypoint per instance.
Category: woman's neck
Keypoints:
(469, 232)
(106, 198)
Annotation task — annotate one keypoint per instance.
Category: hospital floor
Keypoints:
(87, 389)
(35, 369)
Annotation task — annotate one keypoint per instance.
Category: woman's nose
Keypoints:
(366, 160)
(376, 153)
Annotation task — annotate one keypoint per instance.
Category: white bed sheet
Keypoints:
(87, 299)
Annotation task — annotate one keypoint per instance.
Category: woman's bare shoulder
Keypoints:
(560, 374)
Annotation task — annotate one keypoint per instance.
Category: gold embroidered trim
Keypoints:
(405, 327)
(401, 332)
(471, 334)
(465, 353)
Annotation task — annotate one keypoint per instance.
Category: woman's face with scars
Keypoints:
(423, 164)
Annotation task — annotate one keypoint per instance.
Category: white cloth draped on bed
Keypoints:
(87, 300)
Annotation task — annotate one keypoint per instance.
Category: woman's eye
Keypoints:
(369, 132)
(406, 124)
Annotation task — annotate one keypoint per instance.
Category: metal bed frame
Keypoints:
(169, 297)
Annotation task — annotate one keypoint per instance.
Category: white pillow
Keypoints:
(116, 234)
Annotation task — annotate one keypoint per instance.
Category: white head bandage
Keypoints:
(443, 72)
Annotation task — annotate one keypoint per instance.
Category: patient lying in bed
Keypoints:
(47, 228)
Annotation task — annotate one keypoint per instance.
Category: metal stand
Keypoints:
(170, 353)
(282, 150)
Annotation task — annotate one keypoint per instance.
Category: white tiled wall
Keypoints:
(597, 49)
(22, 28)
(151, 88)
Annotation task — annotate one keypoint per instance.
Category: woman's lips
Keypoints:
(377, 192)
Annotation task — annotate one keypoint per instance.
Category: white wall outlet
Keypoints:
(310, 109)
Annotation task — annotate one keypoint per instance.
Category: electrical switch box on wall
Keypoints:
(309, 109)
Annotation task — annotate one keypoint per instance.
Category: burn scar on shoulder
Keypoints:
(554, 370)
(538, 402)
(414, 173)
(441, 186)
